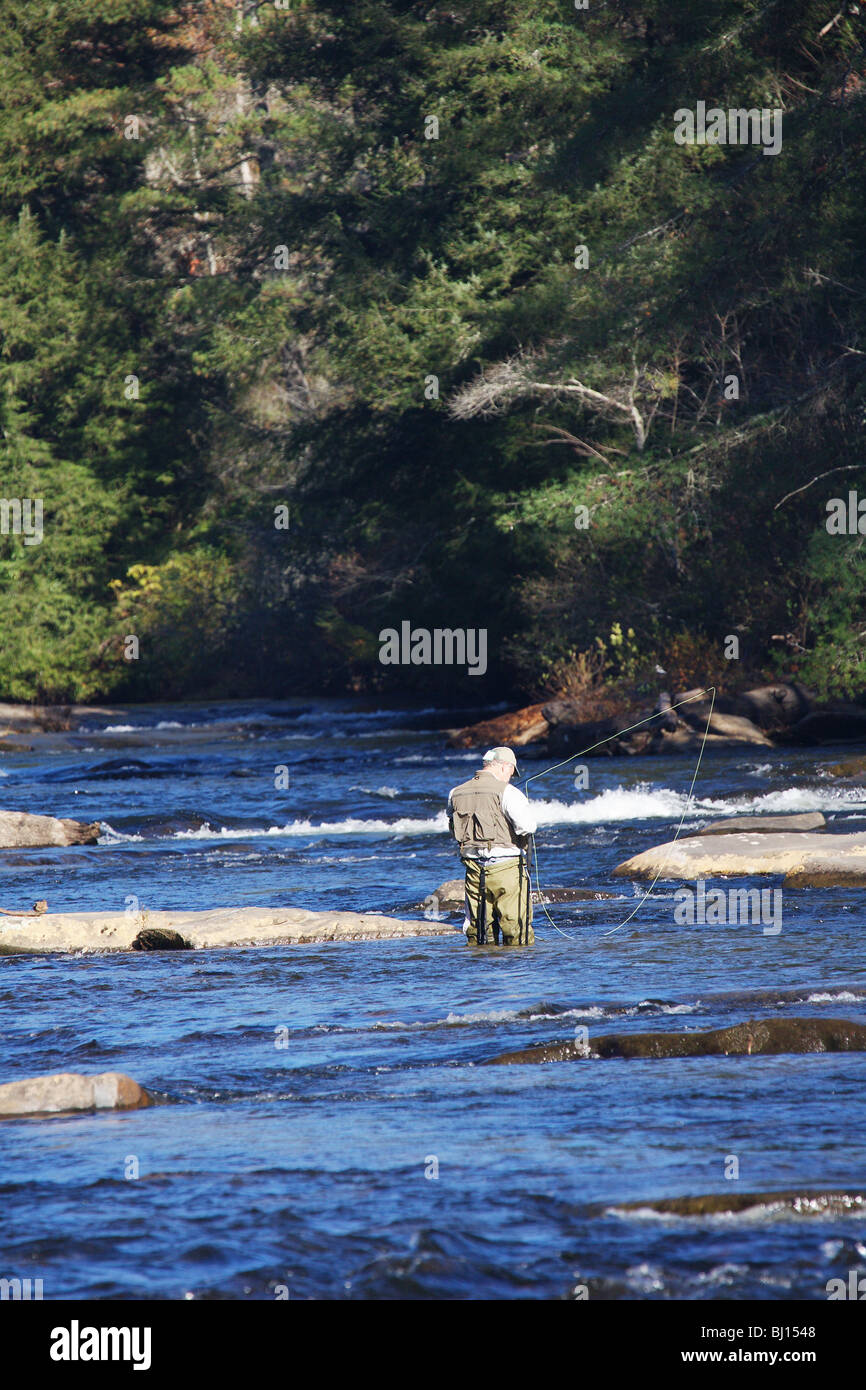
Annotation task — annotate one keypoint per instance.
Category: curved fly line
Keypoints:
(708, 690)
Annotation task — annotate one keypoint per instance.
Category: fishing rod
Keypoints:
(708, 690)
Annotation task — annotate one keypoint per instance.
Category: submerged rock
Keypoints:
(745, 853)
(764, 1036)
(809, 1202)
(19, 829)
(65, 1091)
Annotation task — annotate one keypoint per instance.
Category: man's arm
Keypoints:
(519, 812)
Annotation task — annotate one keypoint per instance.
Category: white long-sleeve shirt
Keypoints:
(520, 816)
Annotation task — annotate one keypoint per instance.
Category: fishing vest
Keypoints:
(478, 822)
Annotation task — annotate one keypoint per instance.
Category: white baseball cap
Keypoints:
(500, 755)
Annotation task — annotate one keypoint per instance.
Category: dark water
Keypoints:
(311, 1166)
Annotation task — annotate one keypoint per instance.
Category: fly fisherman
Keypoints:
(492, 823)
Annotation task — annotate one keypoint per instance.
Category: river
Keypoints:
(327, 1130)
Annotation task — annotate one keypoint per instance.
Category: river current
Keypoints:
(326, 1129)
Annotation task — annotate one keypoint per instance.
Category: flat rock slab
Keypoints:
(219, 926)
(767, 1036)
(65, 1091)
(763, 825)
(731, 856)
(19, 829)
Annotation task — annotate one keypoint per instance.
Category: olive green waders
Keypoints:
(498, 903)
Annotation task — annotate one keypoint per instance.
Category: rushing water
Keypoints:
(310, 1169)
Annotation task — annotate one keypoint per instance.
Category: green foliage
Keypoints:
(835, 616)
(326, 308)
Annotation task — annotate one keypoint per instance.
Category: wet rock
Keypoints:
(19, 829)
(515, 729)
(160, 939)
(66, 1091)
(849, 767)
(757, 1037)
(448, 897)
(763, 825)
(807, 877)
(808, 1202)
(746, 853)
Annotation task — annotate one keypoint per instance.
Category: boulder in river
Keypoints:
(764, 825)
(19, 829)
(766, 1036)
(65, 1091)
(746, 853)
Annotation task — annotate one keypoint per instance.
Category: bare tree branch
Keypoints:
(843, 468)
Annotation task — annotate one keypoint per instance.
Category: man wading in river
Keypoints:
(492, 823)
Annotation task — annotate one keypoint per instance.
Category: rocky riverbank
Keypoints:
(786, 713)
